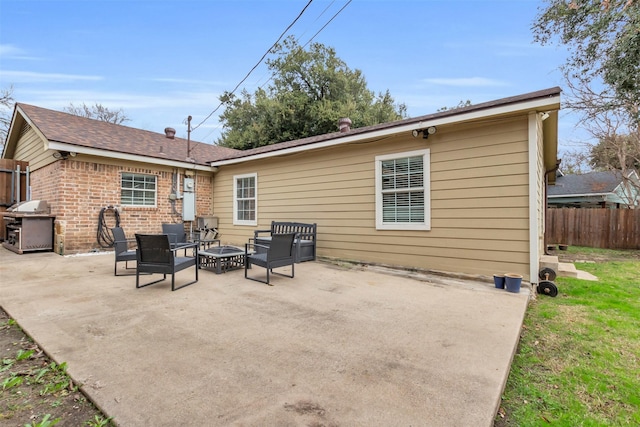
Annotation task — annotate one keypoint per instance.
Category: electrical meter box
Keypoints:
(188, 200)
(189, 185)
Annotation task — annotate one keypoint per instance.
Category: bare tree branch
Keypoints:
(6, 109)
(97, 112)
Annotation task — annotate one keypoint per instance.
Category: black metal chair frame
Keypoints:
(155, 255)
(177, 236)
(279, 253)
(122, 251)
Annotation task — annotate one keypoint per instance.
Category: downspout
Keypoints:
(28, 183)
(18, 189)
(546, 202)
(535, 217)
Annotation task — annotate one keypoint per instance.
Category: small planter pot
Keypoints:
(498, 280)
(513, 282)
(563, 247)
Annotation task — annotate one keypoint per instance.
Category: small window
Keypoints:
(138, 190)
(245, 199)
(402, 191)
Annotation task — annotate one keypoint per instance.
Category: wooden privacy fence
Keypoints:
(594, 228)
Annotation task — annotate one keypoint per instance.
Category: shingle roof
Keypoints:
(588, 183)
(75, 130)
(83, 132)
(546, 93)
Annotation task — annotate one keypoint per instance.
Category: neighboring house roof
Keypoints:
(457, 115)
(588, 183)
(603, 185)
(592, 183)
(59, 127)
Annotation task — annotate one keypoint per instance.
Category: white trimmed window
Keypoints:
(403, 191)
(245, 199)
(138, 190)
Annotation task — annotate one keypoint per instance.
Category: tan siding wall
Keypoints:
(479, 200)
(30, 148)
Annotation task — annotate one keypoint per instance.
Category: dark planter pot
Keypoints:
(498, 280)
(513, 282)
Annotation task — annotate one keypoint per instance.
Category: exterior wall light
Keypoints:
(425, 132)
(63, 155)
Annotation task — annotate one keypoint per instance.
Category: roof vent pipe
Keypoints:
(344, 124)
(170, 132)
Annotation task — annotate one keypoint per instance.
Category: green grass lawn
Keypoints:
(578, 362)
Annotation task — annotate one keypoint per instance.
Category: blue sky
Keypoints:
(163, 60)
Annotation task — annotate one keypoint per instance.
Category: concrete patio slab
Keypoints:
(333, 346)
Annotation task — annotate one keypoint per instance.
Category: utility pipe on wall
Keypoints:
(546, 201)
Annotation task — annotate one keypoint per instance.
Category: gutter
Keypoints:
(60, 146)
(581, 195)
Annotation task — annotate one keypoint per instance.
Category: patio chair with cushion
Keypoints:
(122, 251)
(155, 255)
(177, 236)
(279, 253)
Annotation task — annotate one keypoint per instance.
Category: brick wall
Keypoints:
(77, 192)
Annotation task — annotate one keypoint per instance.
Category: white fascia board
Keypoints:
(620, 187)
(60, 146)
(534, 105)
(579, 195)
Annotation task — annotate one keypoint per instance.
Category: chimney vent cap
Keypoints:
(170, 132)
(344, 124)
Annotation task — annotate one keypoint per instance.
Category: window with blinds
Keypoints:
(402, 190)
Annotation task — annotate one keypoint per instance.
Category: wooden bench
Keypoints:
(305, 244)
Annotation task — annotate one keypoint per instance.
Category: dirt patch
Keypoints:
(314, 413)
(588, 256)
(36, 389)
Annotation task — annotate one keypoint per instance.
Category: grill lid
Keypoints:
(31, 206)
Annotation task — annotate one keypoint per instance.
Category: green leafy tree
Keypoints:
(604, 44)
(311, 89)
(97, 112)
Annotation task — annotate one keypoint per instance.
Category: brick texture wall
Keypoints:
(77, 192)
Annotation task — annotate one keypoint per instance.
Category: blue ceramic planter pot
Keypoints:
(513, 282)
(498, 280)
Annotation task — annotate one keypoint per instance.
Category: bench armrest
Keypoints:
(256, 233)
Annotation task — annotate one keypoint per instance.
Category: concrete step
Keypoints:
(564, 269)
(567, 269)
(549, 261)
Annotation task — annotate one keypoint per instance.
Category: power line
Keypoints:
(269, 78)
(258, 63)
(318, 18)
(328, 22)
(317, 32)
